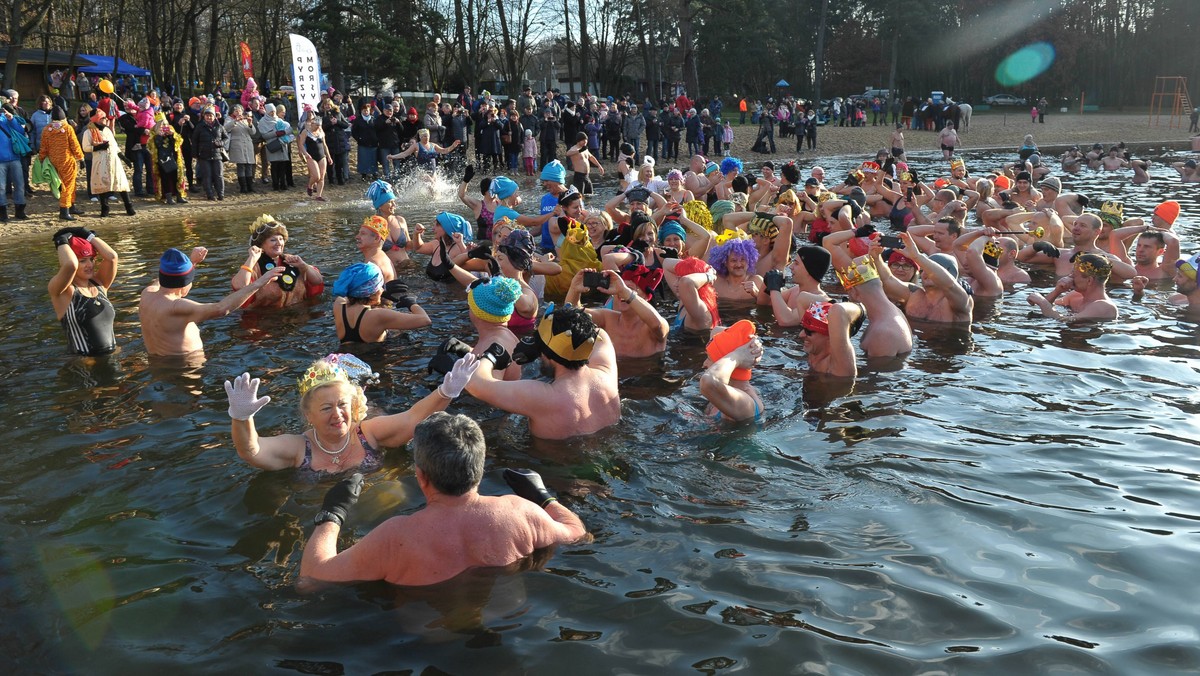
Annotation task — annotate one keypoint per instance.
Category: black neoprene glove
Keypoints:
(773, 280)
(1046, 248)
(528, 484)
(340, 499)
(670, 252)
(469, 173)
(499, 356)
(397, 292)
(865, 230)
(63, 236)
(1083, 200)
(526, 350)
(103, 145)
(447, 353)
(482, 250)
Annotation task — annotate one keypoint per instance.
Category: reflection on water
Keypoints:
(1017, 497)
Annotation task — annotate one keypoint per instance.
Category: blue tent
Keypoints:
(104, 66)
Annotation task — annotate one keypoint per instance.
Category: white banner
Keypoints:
(306, 72)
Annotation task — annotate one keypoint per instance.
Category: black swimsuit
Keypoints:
(351, 335)
(441, 271)
(88, 322)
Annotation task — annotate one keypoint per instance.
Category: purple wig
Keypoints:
(719, 255)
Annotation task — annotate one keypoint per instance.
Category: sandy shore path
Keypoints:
(991, 131)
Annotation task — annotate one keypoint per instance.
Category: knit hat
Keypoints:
(452, 223)
(950, 263)
(503, 187)
(718, 210)
(361, 280)
(816, 260)
(1168, 211)
(492, 299)
(58, 113)
(81, 247)
(670, 227)
(380, 193)
(175, 270)
(554, 171)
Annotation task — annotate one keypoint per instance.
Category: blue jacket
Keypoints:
(7, 127)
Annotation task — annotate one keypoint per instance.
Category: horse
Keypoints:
(965, 116)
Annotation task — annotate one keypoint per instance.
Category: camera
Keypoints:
(595, 280)
(891, 242)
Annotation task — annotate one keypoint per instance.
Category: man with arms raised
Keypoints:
(169, 319)
(635, 327)
(458, 529)
(581, 399)
(888, 334)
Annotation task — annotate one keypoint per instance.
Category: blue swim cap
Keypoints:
(452, 223)
(360, 280)
(505, 212)
(554, 171)
(503, 187)
(380, 193)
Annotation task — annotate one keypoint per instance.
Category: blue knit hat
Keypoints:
(360, 280)
(452, 223)
(502, 187)
(554, 171)
(671, 227)
(175, 270)
(492, 299)
(380, 193)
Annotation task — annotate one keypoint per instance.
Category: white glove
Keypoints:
(457, 378)
(243, 397)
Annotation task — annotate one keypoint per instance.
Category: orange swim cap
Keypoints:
(729, 340)
(1168, 211)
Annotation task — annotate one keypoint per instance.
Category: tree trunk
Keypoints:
(509, 68)
(212, 79)
(691, 77)
(643, 44)
(819, 57)
(567, 42)
(17, 32)
(583, 49)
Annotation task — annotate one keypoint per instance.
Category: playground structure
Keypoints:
(1170, 92)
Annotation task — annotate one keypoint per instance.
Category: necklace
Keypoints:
(335, 456)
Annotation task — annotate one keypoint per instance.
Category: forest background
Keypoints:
(1108, 51)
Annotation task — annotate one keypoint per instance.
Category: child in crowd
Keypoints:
(727, 136)
(530, 150)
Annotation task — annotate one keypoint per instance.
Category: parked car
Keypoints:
(1004, 100)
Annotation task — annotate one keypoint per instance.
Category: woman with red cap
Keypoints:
(87, 266)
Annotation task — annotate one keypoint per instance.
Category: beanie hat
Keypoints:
(554, 171)
(58, 114)
(380, 193)
(671, 227)
(719, 209)
(1168, 211)
(503, 187)
(946, 261)
(175, 270)
(492, 299)
(815, 259)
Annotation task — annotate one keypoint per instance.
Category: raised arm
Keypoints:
(272, 453)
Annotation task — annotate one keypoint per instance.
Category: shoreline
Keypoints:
(988, 133)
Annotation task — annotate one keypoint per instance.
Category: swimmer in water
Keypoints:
(732, 353)
(1089, 275)
(87, 268)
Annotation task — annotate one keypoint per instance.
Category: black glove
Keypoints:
(528, 484)
(447, 353)
(103, 145)
(340, 499)
(915, 177)
(499, 356)
(397, 292)
(639, 245)
(1046, 248)
(773, 280)
(469, 173)
(865, 230)
(81, 233)
(670, 252)
(483, 249)
(526, 350)
(63, 236)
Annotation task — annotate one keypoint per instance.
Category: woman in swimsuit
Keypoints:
(675, 190)
(483, 208)
(357, 317)
(426, 151)
(87, 267)
(732, 353)
(442, 248)
(335, 410)
(397, 242)
(301, 281)
(316, 154)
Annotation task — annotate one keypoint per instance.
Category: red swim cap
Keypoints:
(729, 340)
(82, 248)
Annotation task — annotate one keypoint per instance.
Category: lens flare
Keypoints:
(1025, 64)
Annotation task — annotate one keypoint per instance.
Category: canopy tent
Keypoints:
(104, 66)
(782, 83)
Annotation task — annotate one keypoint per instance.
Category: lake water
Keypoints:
(1020, 498)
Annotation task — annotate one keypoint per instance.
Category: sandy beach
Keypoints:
(991, 131)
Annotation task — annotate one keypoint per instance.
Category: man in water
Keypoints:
(458, 528)
(581, 399)
(1089, 275)
(169, 319)
(826, 332)
(889, 334)
(1155, 254)
(1084, 231)
(940, 297)
(1185, 283)
(808, 266)
(635, 327)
